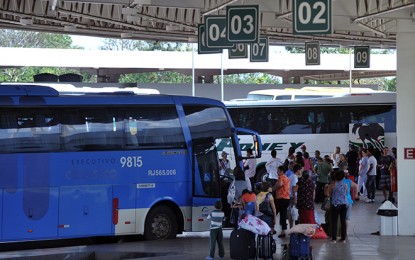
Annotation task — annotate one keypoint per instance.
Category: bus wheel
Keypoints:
(261, 175)
(160, 224)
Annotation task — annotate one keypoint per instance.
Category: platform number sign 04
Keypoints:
(216, 32)
(362, 57)
(312, 16)
(312, 53)
(242, 23)
(259, 50)
(201, 40)
(239, 51)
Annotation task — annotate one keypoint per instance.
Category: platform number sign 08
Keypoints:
(312, 53)
(362, 57)
(201, 40)
(242, 23)
(312, 16)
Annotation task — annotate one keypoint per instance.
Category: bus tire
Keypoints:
(160, 224)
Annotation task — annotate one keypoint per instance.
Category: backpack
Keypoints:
(265, 207)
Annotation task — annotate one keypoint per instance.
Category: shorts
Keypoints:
(349, 211)
(385, 182)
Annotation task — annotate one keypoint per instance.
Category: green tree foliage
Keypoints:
(248, 78)
(29, 39)
(148, 77)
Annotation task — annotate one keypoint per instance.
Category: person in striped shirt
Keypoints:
(216, 235)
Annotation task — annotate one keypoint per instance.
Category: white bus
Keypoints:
(304, 93)
(320, 123)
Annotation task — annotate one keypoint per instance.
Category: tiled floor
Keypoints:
(360, 244)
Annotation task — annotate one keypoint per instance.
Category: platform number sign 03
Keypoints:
(312, 16)
(259, 50)
(242, 23)
(239, 51)
(312, 53)
(362, 57)
(201, 40)
(216, 32)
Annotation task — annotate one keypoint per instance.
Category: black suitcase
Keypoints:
(242, 244)
(266, 246)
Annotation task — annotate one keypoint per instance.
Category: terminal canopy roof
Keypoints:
(354, 22)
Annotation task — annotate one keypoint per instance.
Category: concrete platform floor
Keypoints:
(360, 244)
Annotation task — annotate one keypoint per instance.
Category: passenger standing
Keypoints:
(342, 164)
(299, 159)
(323, 169)
(297, 169)
(363, 169)
(352, 161)
(317, 156)
(290, 157)
(216, 235)
(282, 199)
(305, 199)
(269, 214)
(224, 165)
(336, 156)
(385, 162)
(240, 185)
(351, 193)
(249, 168)
(371, 176)
(272, 166)
(338, 191)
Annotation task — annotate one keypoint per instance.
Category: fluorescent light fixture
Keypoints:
(70, 28)
(24, 21)
(128, 11)
(172, 28)
(126, 35)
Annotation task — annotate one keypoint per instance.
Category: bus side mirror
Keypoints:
(256, 141)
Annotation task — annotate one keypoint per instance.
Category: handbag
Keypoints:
(231, 193)
(326, 204)
(265, 207)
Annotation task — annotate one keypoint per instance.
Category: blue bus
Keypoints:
(110, 164)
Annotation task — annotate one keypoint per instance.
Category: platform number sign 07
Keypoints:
(242, 23)
(312, 16)
(312, 52)
(259, 50)
(362, 57)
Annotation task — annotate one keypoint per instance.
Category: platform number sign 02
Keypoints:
(242, 23)
(239, 51)
(201, 40)
(216, 32)
(312, 53)
(312, 17)
(362, 57)
(259, 50)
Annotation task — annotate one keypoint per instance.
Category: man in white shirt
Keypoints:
(371, 177)
(250, 167)
(272, 166)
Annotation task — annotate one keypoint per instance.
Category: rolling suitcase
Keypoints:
(299, 246)
(266, 246)
(242, 244)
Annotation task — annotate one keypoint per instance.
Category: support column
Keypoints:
(405, 126)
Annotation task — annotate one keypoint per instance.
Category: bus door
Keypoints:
(206, 183)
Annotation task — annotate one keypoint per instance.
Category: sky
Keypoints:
(88, 42)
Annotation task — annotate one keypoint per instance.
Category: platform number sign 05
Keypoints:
(239, 51)
(242, 23)
(216, 32)
(312, 53)
(201, 40)
(312, 16)
(259, 50)
(362, 57)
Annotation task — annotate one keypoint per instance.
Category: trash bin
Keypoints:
(388, 219)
